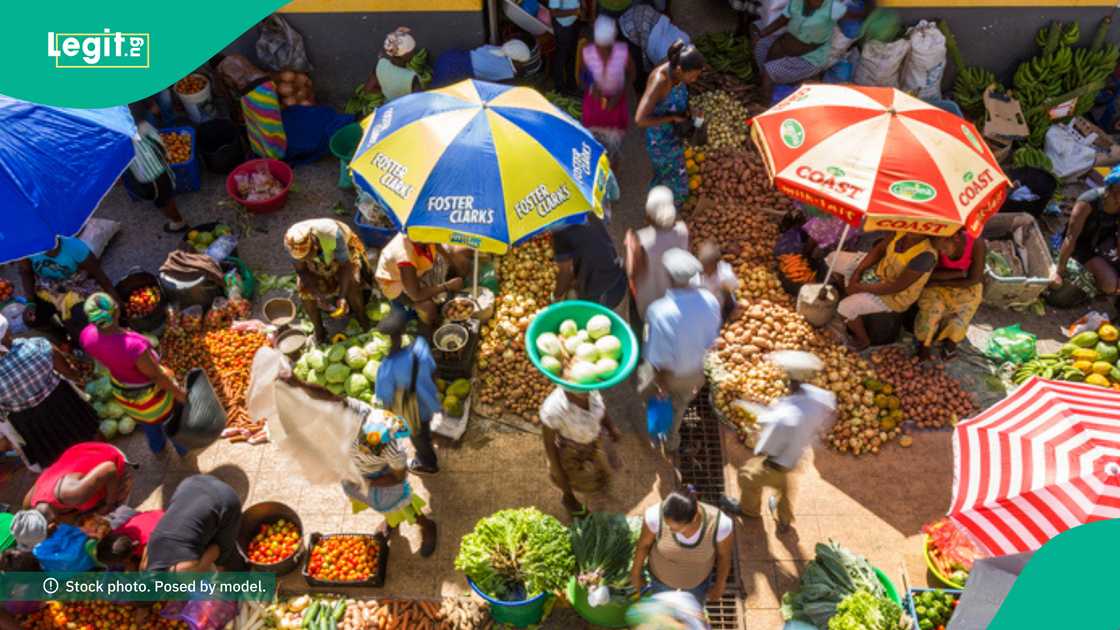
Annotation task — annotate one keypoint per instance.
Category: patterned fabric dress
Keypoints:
(666, 150)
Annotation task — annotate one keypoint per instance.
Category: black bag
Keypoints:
(203, 418)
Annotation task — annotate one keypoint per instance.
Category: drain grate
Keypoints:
(702, 468)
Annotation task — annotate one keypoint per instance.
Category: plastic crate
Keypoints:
(1006, 292)
(372, 235)
(375, 581)
(188, 175)
(909, 603)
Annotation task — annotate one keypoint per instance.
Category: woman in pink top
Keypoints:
(952, 295)
(125, 545)
(605, 111)
(146, 389)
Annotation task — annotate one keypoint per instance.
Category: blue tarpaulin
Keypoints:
(56, 164)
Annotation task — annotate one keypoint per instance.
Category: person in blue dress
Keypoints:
(406, 385)
(663, 112)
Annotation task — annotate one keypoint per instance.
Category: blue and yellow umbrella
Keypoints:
(479, 164)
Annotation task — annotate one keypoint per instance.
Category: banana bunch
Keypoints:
(727, 54)
(1043, 77)
(1068, 36)
(1047, 366)
(1031, 157)
(968, 89)
(1090, 67)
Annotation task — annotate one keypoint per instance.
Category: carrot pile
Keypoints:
(227, 357)
(453, 613)
(796, 268)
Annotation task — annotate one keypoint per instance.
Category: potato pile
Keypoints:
(510, 383)
(178, 145)
(929, 396)
(744, 235)
(726, 118)
(294, 88)
(738, 179)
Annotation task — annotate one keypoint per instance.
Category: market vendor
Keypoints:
(901, 265)
(1091, 237)
(87, 477)
(650, 34)
(951, 296)
(257, 95)
(392, 75)
(332, 270)
(406, 384)
(588, 265)
(796, 45)
(378, 453)
(682, 325)
(575, 428)
(688, 545)
(413, 274)
(41, 413)
(198, 532)
(487, 62)
(663, 112)
(148, 390)
(59, 280)
(789, 428)
(125, 545)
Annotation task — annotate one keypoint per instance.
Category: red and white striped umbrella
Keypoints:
(1041, 461)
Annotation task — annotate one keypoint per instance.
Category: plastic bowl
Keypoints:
(888, 586)
(549, 320)
(281, 171)
(941, 577)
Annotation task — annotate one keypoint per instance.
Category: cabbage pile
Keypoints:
(582, 356)
(113, 418)
(346, 368)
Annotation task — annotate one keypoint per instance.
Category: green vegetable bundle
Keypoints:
(567, 104)
(864, 611)
(603, 545)
(727, 53)
(419, 64)
(833, 575)
(362, 103)
(517, 553)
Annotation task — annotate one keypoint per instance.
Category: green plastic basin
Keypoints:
(549, 320)
(609, 615)
(520, 614)
(888, 586)
(343, 144)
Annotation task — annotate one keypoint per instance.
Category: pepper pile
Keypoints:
(95, 615)
(343, 559)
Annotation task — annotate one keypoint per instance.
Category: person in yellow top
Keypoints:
(901, 267)
(331, 270)
(413, 274)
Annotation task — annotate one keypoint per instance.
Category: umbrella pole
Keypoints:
(474, 290)
(835, 256)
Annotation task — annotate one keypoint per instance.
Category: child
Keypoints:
(719, 278)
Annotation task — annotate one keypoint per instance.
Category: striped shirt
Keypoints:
(26, 374)
(148, 164)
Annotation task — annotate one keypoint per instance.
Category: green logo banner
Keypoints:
(1068, 583)
(136, 586)
(74, 53)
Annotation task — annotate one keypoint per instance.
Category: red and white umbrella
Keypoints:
(880, 158)
(1041, 461)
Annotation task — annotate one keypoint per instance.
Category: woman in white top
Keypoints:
(575, 428)
(648, 278)
(685, 541)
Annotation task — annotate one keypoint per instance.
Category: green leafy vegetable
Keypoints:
(517, 553)
(603, 545)
(863, 611)
(833, 575)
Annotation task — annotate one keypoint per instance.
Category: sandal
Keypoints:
(179, 230)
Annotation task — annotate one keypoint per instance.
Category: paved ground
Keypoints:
(873, 505)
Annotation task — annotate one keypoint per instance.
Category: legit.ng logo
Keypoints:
(105, 50)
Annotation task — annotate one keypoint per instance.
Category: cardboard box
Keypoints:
(1003, 117)
(1108, 151)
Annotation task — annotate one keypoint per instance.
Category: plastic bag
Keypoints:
(201, 614)
(221, 248)
(925, 65)
(659, 416)
(220, 314)
(881, 63)
(203, 417)
(1089, 321)
(280, 47)
(190, 319)
(1070, 153)
(1011, 344)
(64, 550)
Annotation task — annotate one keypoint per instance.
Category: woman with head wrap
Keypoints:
(331, 269)
(260, 105)
(41, 414)
(575, 428)
(1092, 238)
(378, 454)
(648, 278)
(952, 295)
(146, 389)
(392, 73)
(606, 113)
(663, 112)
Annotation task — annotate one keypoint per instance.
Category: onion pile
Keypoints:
(726, 118)
(510, 383)
(930, 398)
(294, 88)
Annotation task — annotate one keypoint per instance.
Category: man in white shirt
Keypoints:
(789, 427)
